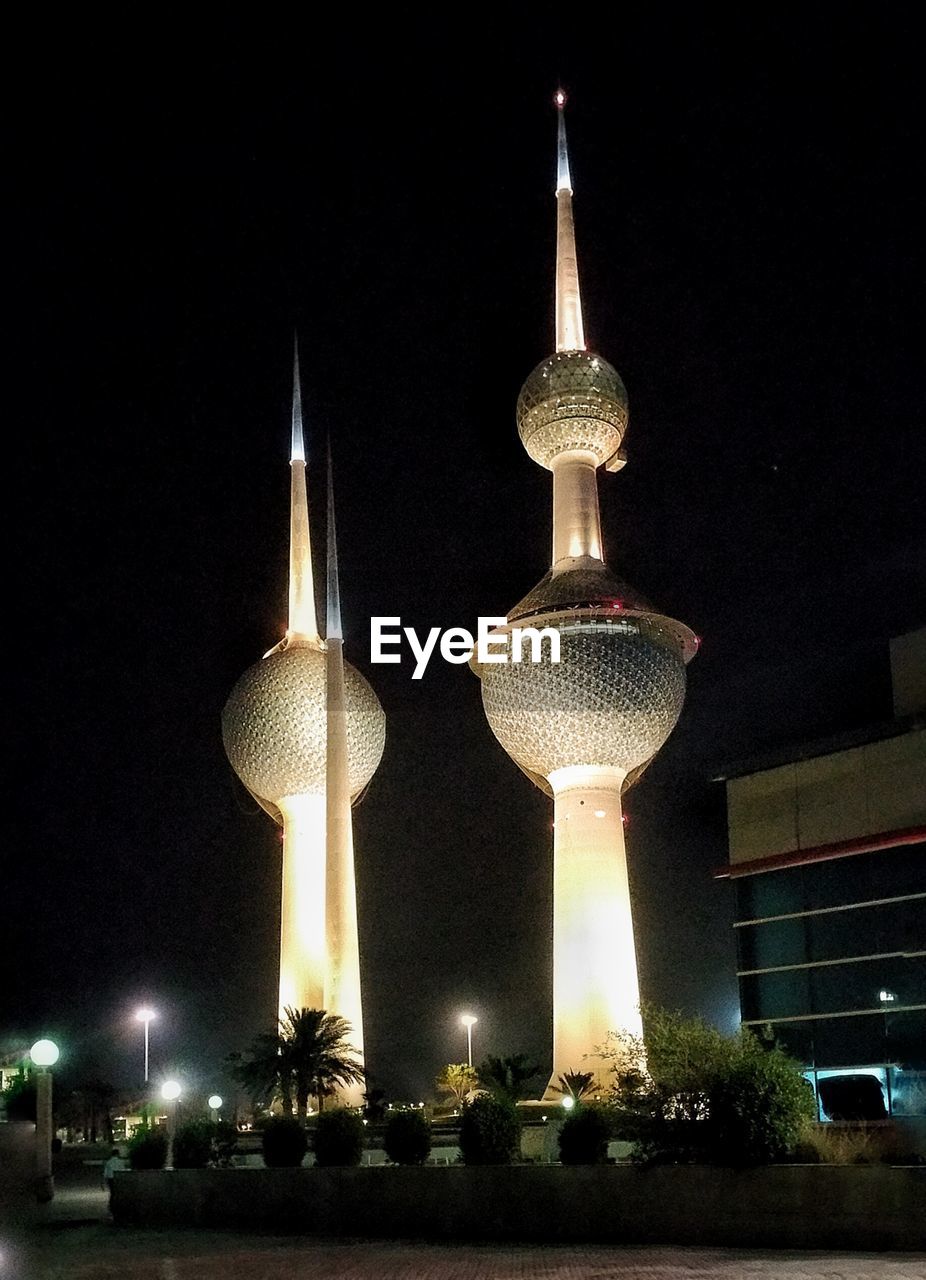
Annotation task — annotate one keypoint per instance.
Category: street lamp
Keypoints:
(44, 1055)
(145, 1015)
(214, 1103)
(569, 1102)
(170, 1092)
(469, 1022)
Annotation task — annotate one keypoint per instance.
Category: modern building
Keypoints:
(305, 732)
(584, 729)
(827, 848)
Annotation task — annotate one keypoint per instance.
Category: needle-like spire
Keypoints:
(570, 333)
(303, 624)
(333, 614)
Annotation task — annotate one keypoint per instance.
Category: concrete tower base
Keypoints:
(595, 986)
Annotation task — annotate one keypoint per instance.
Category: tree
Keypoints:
(507, 1077)
(575, 1084)
(457, 1080)
(317, 1050)
(695, 1094)
(265, 1073)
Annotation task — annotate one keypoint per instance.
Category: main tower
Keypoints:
(584, 729)
(305, 732)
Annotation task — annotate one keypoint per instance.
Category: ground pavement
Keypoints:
(74, 1239)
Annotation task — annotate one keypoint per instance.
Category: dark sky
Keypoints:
(749, 223)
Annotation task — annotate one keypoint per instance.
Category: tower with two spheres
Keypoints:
(585, 728)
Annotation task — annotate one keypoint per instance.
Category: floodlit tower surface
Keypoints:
(305, 732)
(585, 729)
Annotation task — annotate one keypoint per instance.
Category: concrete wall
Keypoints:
(859, 792)
(786, 1206)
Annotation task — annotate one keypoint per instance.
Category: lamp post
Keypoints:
(44, 1055)
(469, 1022)
(145, 1015)
(214, 1103)
(170, 1092)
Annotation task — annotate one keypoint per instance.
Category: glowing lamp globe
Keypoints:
(44, 1053)
(274, 726)
(214, 1102)
(170, 1090)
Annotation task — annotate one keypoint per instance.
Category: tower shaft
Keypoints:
(342, 986)
(576, 518)
(302, 924)
(595, 985)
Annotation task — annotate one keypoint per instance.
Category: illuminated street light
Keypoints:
(44, 1055)
(214, 1103)
(469, 1022)
(569, 1102)
(170, 1090)
(145, 1015)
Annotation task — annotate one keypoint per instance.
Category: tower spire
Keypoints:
(303, 624)
(333, 629)
(570, 333)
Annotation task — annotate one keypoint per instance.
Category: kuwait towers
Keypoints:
(585, 728)
(304, 732)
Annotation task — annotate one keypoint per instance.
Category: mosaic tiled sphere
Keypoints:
(572, 400)
(273, 726)
(611, 701)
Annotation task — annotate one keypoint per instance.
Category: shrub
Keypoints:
(338, 1138)
(193, 1144)
(490, 1131)
(19, 1099)
(760, 1108)
(284, 1143)
(584, 1135)
(407, 1139)
(696, 1095)
(224, 1143)
(148, 1149)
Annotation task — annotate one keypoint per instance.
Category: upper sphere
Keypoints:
(611, 701)
(572, 400)
(274, 726)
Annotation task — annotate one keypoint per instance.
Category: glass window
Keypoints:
(761, 946)
(774, 893)
(775, 995)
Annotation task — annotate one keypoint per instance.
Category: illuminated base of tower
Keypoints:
(302, 926)
(595, 987)
(342, 986)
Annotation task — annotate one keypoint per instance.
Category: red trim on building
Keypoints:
(823, 853)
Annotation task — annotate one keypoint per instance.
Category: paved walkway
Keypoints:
(101, 1252)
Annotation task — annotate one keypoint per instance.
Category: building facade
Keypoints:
(827, 859)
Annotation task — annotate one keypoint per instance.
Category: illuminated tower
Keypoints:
(585, 728)
(304, 732)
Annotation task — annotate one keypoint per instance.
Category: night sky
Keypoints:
(749, 229)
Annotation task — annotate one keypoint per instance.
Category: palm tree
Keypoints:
(575, 1084)
(316, 1048)
(458, 1080)
(265, 1074)
(507, 1077)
